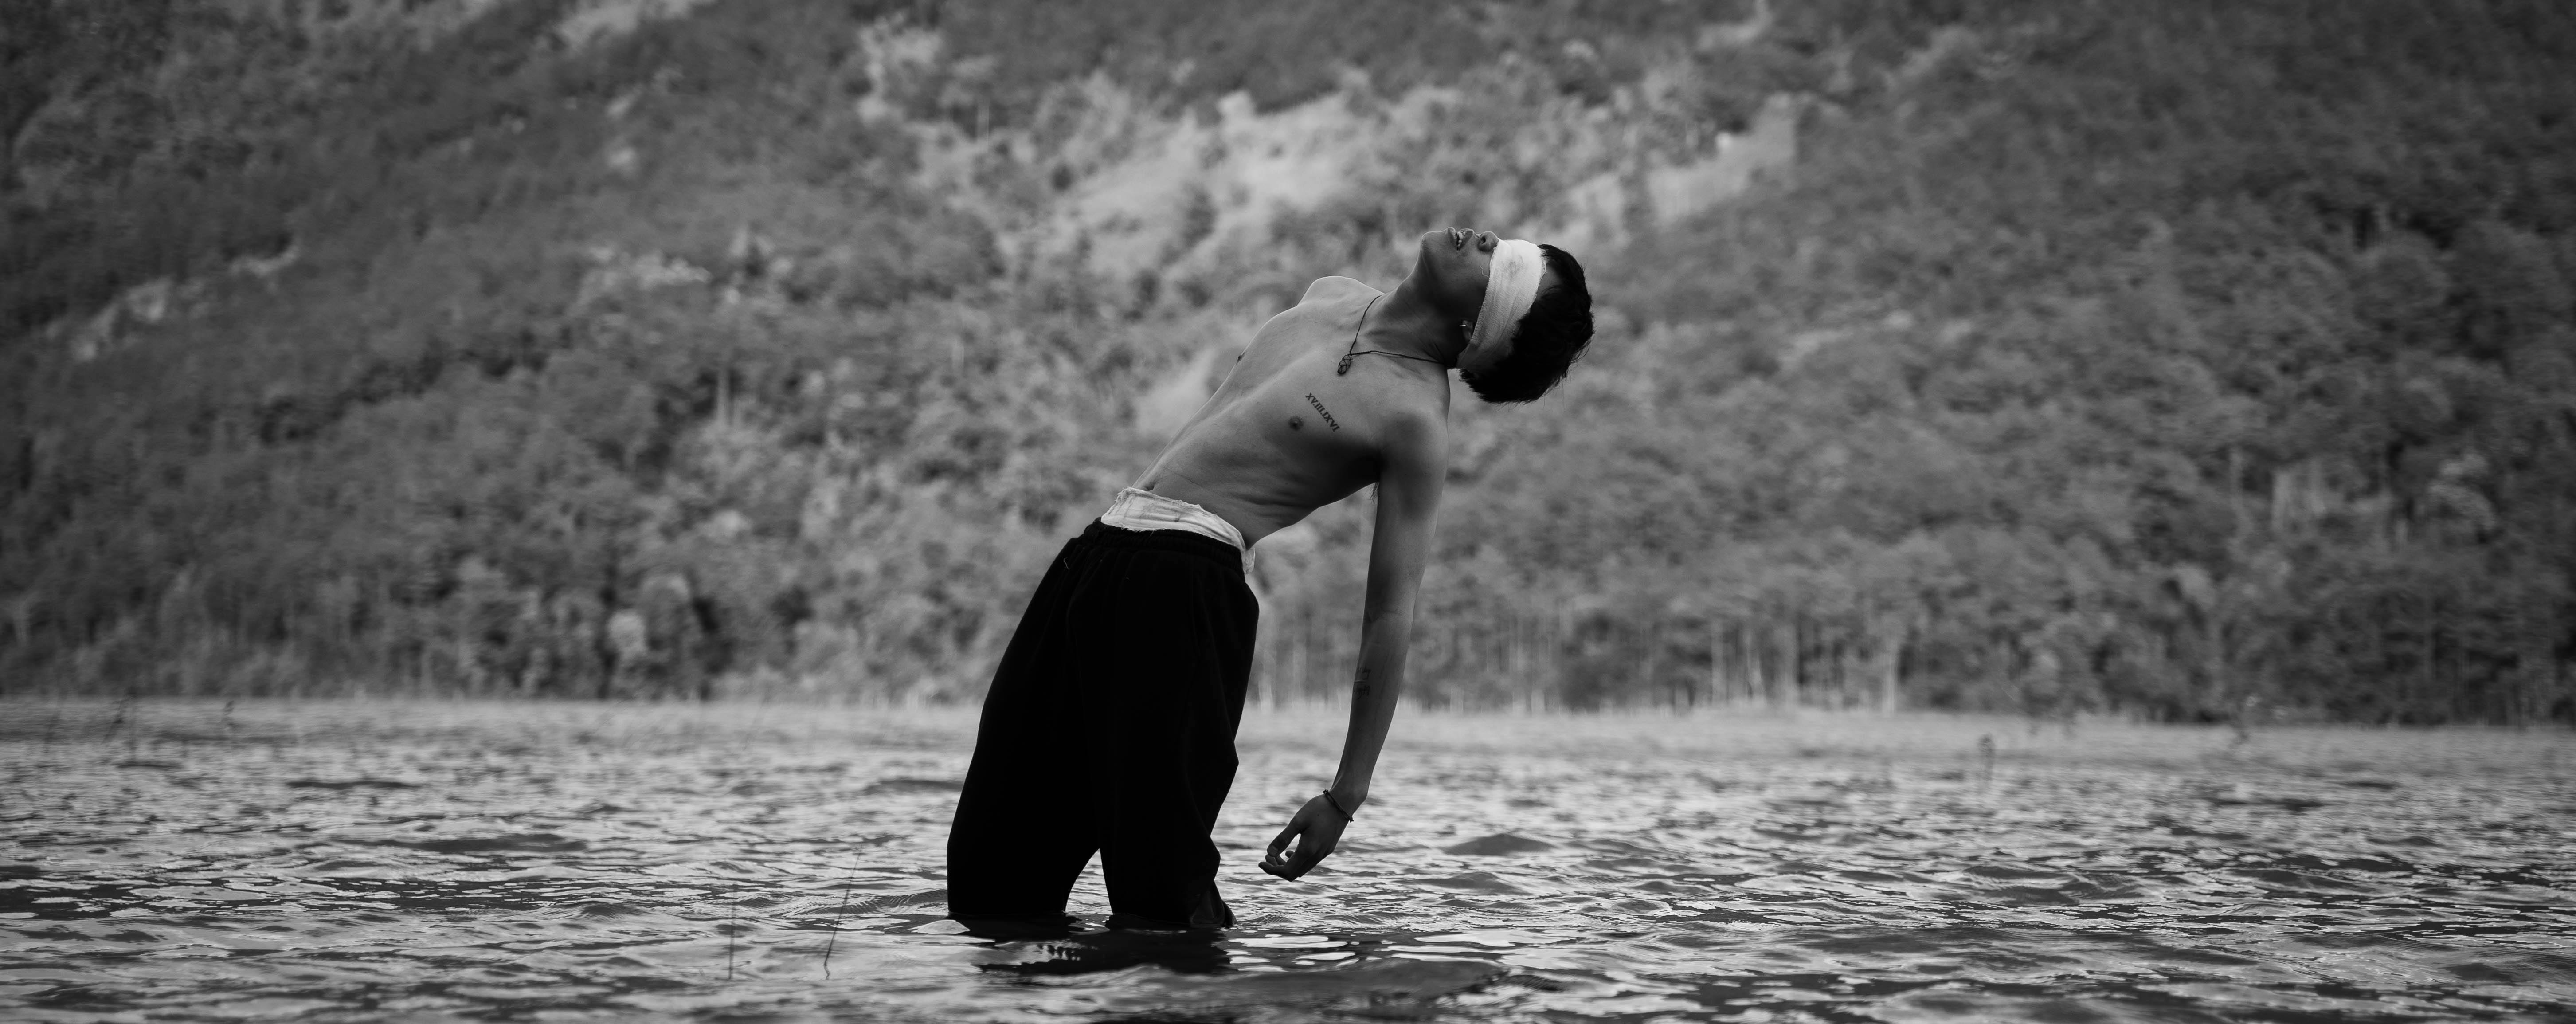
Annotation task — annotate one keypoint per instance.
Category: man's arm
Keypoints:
(1408, 494)
(1411, 472)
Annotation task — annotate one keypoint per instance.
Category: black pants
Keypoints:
(1110, 727)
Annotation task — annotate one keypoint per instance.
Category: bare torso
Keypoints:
(1285, 434)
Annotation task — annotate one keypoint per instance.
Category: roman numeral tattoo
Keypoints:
(1327, 414)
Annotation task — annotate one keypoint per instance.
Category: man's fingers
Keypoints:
(1309, 855)
(1312, 847)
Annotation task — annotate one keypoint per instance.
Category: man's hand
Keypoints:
(1320, 827)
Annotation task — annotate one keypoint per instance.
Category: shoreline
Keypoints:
(1976, 742)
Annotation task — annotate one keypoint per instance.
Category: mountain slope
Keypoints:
(2189, 359)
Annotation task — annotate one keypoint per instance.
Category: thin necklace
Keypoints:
(1350, 354)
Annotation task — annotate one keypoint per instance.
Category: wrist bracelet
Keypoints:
(1337, 806)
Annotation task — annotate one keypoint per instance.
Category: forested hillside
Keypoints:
(2204, 359)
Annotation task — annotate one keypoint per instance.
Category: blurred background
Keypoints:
(2189, 360)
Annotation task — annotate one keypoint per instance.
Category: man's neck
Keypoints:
(1406, 321)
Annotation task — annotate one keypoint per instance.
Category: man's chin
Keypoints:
(1425, 255)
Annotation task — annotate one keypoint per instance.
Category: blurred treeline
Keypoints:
(2205, 359)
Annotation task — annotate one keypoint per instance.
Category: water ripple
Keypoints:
(357, 861)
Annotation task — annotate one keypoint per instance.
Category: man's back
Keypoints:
(1288, 432)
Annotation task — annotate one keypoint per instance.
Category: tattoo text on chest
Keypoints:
(1327, 414)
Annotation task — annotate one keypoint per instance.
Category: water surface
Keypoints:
(432, 861)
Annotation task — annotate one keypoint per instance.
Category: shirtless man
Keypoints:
(1110, 723)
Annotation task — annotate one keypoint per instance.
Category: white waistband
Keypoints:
(1139, 509)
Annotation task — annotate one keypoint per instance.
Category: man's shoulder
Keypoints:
(1329, 303)
(1416, 426)
(1331, 289)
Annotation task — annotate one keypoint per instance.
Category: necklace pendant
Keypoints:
(1345, 368)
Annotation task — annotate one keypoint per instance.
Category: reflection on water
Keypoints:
(367, 861)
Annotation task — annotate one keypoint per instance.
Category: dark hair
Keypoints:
(1551, 334)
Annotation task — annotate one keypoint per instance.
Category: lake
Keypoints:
(444, 861)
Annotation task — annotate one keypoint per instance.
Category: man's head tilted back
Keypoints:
(1531, 315)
